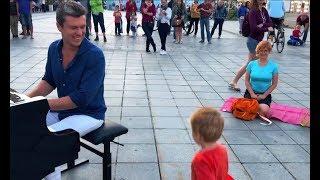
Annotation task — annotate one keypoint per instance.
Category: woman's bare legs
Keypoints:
(178, 34)
(263, 109)
(241, 71)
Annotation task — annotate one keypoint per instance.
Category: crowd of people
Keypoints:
(174, 13)
(81, 105)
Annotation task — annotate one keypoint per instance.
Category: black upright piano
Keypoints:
(34, 150)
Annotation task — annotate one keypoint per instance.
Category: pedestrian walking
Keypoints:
(163, 17)
(148, 16)
(219, 15)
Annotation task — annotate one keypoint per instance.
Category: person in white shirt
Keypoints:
(163, 17)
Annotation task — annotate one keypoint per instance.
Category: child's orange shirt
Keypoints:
(210, 164)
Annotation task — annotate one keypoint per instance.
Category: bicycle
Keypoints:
(279, 39)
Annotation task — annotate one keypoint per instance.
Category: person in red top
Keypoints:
(296, 34)
(131, 7)
(117, 20)
(211, 162)
(303, 20)
(296, 31)
(148, 11)
(206, 10)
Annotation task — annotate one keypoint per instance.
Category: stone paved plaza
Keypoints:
(154, 95)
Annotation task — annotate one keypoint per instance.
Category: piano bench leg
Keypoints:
(73, 164)
(106, 159)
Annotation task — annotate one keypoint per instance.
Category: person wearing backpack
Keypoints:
(261, 77)
(259, 23)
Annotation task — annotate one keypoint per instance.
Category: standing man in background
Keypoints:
(206, 10)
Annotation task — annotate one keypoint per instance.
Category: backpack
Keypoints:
(245, 26)
(244, 108)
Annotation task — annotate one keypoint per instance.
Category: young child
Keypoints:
(133, 23)
(117, 20)
(211, 162)
(296, 34)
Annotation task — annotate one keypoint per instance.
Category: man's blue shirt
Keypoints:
(82, 80)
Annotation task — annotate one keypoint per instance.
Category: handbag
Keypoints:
(177, 22)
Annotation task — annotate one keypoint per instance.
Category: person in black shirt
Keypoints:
(14, 18)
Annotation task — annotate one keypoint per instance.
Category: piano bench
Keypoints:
(105, 135)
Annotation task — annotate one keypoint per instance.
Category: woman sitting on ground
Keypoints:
(261, 77)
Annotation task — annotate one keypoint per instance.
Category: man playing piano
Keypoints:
(76, 67)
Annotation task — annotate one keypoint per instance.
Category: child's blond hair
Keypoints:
(208, 123)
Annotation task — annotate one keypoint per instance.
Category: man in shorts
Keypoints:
(25, 16)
